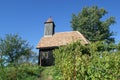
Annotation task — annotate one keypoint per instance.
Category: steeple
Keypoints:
(49, 27)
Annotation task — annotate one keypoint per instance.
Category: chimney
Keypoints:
(49, 27)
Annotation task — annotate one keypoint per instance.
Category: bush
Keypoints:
(91, 62)
(24, 71)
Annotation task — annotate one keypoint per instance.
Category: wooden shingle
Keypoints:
(61, 38)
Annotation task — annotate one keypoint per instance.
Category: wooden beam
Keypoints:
(39, 58)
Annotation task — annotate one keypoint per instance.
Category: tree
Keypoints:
(91, 24)
(12, 48)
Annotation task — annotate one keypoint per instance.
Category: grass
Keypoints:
(47, 73)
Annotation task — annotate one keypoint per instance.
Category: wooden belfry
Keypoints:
(49, 27)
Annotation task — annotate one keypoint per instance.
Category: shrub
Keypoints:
(24, 71)
(91, 62)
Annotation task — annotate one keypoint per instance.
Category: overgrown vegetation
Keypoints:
(99, 60)
(95, 61)
(24, 71)
(16, 57)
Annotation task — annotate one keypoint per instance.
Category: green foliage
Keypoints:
(24, 71)
(48, 73)
(91, 24)
(14, 56)
(12, 48)
(96, 61)
(68, 58)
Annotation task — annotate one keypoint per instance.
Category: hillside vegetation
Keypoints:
(96, 61)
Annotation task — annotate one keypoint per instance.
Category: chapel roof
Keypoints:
(61, 38)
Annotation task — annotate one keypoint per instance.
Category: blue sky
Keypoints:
(27, 17)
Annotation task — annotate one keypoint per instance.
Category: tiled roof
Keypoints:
(61, 38)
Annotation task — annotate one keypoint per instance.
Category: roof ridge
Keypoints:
(65, 32)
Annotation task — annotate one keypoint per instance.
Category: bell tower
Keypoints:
(49, 28)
